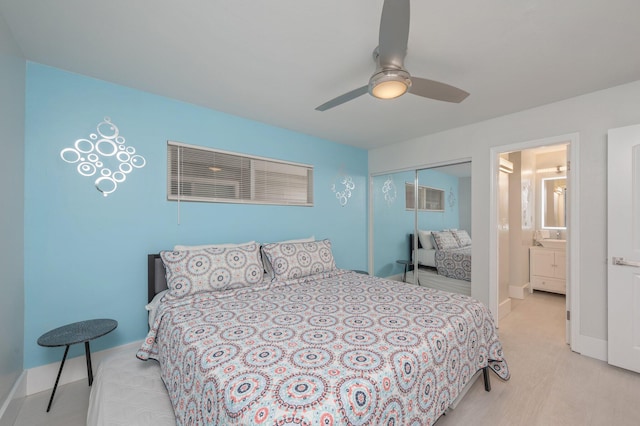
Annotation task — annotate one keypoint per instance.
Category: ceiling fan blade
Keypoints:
(343, 98)
(436, 90)
(394, 33)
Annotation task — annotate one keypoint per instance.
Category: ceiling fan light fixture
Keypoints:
(389, 84)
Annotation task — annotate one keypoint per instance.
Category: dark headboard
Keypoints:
(156, 276)
(411, 245)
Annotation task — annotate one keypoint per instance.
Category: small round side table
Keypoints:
(77, 332)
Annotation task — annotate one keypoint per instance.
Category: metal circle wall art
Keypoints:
(104, 155)
(347, 187)
(389, 190)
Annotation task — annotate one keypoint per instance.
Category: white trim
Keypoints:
(371, 219)
(519, 291)
(43, 377)
(504, 308)
(11, 406)
(574, 224)
(591, 347)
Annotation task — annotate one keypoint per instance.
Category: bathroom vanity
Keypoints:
(548, 265)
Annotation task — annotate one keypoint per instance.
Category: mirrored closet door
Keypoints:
(432, 205)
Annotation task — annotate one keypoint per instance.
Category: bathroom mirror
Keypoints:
(554, 197)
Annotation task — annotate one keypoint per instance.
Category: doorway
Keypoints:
(528, 177)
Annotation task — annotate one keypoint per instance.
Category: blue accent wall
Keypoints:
(393, 223)
(85, 254)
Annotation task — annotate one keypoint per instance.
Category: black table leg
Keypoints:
(87, 352)
(64, 357)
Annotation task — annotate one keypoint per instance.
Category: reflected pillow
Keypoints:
(211, 269)
(444, 240)
(297, 260)
(462, 237)
(425, 239)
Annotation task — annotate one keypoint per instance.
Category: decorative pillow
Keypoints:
(445, 240)
(268, 269)
(425, 239)
(212, 269)
(297, 260)
(462, 237)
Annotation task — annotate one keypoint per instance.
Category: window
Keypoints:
(209, 175)
(429, 199)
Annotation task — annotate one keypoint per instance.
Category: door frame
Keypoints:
(573, 242)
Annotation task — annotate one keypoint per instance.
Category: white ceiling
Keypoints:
(275, 61)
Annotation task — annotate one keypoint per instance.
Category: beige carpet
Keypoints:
(549, 385)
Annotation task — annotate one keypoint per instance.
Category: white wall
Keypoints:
(590, 116)
(520, 239)
(12, 96)
(464, 204)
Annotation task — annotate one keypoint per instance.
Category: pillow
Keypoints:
(204, 246)
(211, 269)
(297, 260)
(444, 240)
(425, 239)
(268, 269)
(152, 306)
(462, 237)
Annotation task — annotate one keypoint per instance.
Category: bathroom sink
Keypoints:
(553, 243)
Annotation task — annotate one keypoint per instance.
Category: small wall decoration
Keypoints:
(452, 197)
(105, 155)
(347, 186)
(527, 205)
(389, 190)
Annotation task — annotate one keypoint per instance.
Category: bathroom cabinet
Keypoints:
(547, 271)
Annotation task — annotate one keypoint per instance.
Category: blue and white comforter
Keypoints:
(454, 263)
(329, 349)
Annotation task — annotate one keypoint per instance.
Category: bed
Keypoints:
(448, 252)
(312, 344)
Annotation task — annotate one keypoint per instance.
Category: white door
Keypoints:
(623, 189)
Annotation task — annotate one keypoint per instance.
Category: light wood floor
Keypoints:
(549, 384)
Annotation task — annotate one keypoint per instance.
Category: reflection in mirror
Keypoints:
(554, 196)
(443, 200)
(392, 224)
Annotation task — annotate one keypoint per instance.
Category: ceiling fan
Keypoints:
(391, 79)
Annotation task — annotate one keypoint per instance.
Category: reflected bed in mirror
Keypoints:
(554, 196)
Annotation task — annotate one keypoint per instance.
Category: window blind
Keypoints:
(430, 199)
(208, 175)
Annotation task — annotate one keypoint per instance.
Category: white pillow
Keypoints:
(205, 246)
(152, 306)
(425, 239)
(268, 269)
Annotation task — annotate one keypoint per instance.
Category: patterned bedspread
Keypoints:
(454, 263)
(330, 349)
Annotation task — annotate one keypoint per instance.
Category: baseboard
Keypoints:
(43, 377)
(592, 347)
(519, 291)
(11, 407)
(397, 277)
(504, 308)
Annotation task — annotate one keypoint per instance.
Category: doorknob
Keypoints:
(622, 262)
